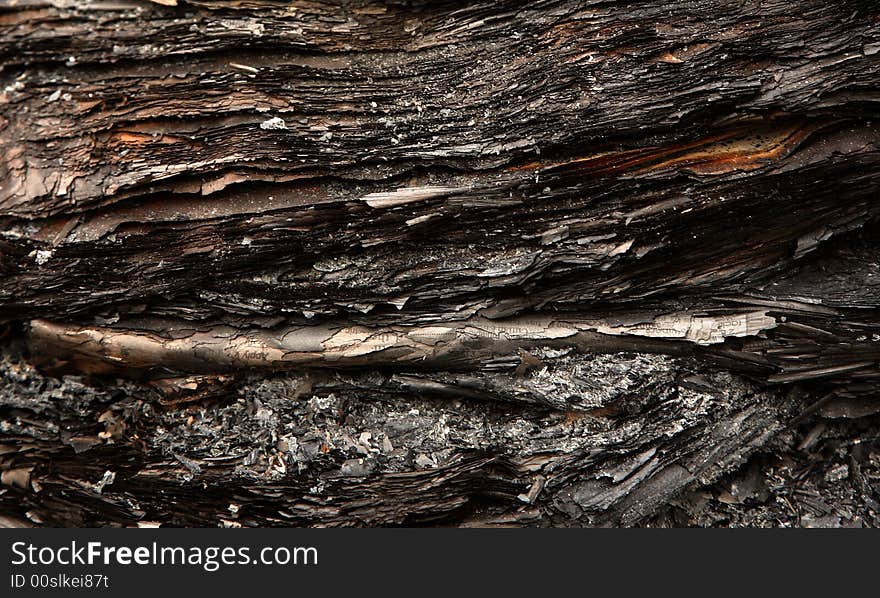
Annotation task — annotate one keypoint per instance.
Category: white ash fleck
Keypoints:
(274, 124)
(425, 462)
(244, 67)
(440, 431)
(42, 256)
(550, 352)
(107, 479)
(838, 473)
(251, 26)
(265, 415)
(15, 232)
(266, 278)
(17, 85)
(321, 404)
(356, 468)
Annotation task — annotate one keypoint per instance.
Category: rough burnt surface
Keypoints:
(458, 263)
(821, 475)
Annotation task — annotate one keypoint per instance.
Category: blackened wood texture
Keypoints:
(544, 263)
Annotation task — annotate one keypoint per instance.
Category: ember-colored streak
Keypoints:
(741, 149)
(130, 138)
